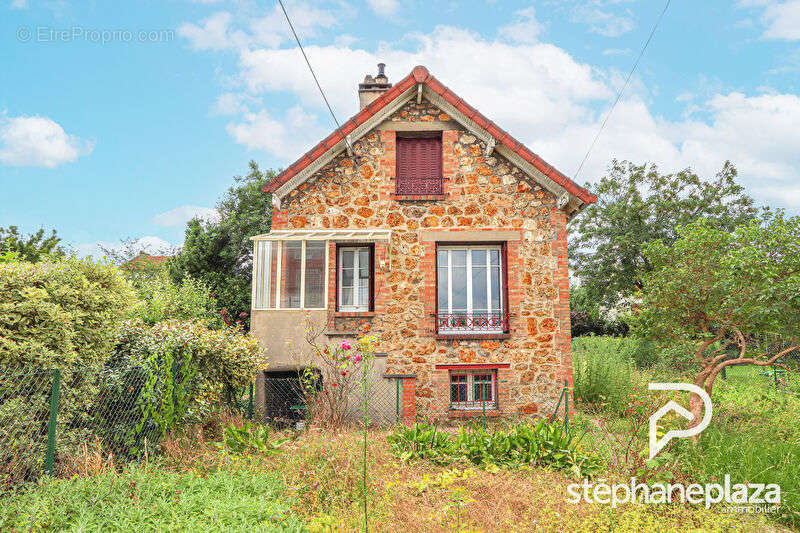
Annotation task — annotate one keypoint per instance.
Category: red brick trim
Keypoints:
(420, 197)
(409, 401)
(477, 366)
(421, 75)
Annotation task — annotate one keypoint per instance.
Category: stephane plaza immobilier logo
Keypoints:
(737, 497)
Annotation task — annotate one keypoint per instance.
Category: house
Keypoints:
(146, 263)
(423, 223)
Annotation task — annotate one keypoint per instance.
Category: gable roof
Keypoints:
(566, 190)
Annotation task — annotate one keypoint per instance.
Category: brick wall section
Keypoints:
(409, 401)
(484, 193)
(563, 337)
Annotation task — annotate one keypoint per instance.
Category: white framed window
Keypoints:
(354, 278)
(469, 289)
(472, 389)
(290, 274)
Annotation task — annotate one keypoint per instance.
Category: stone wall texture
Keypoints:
(481, 194)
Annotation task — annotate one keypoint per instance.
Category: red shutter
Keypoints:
(419, 165)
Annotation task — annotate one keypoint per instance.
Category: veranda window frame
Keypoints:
(262, 275)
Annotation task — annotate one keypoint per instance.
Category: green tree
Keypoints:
(33, 248)
(220, 253)
(724, 297)
(636, 206)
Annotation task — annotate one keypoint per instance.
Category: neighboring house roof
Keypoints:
(143, 261)
(435, 92)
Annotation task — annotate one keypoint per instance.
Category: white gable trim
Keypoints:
(369, 125)
(418, 91)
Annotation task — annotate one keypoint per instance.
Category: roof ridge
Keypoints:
(420, 74)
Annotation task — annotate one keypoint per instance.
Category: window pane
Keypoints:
(290, 274)
(479, 289)
(441, 258)
(261, 260)
(482, 387)
(347, 277)
(347, 297)
(495, 281)
(459, 280)
(443, 303)
(347, 258)
(363, 293)
(315, 274)
(458, 388)
(494, 256)
(459, 257)
(273, 274)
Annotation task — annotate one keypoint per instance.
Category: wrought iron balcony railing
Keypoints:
(472, 322)
(419, 186)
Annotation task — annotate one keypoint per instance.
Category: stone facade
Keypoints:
(484, 196)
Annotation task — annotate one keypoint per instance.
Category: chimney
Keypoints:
(372, 88)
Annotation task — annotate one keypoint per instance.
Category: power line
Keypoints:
(619, 94)
(296, 38)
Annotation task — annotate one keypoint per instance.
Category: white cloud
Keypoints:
(233, 103)
(224, 30)
(616, 51)
(782, 20)
(525, 28)
(19, 4)
(214, 33)
(384, 8)
(603, 22)
(183, 214)
(38, 141)
(150, 245)
(287, 138)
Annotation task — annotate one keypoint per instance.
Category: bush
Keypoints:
(61, 315)
(163, 299)
(188, 367)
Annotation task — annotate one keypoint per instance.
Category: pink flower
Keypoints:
(346, 345)
(344, 372)
(357, 358)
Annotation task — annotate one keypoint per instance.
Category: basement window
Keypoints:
(472, 389)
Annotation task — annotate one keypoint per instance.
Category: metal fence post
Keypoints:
(566, 402)
(51, 426)
(397, 399)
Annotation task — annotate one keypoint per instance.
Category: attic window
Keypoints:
(419, 165)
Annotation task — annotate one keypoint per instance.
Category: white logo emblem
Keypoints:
(656, 444)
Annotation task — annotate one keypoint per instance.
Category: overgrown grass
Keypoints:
(603, 372)
(152, 499)
(754, 434)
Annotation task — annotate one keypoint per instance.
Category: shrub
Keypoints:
(180, 370)
(60, 314)
(163, 299)
(55, 315)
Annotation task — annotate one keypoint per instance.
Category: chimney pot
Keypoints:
(372, 88)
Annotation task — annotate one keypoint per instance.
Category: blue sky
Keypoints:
(123, 119)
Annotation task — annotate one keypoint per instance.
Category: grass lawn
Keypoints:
(314, 484)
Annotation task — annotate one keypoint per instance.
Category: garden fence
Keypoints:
(285, 403)
(47, 416)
